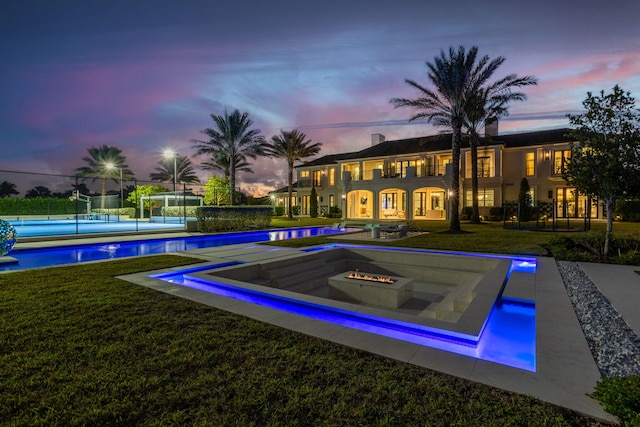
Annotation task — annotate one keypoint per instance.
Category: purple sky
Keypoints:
(146, 75)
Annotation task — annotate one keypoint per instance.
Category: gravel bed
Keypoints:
(614, 345)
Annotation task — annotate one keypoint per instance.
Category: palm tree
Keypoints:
(7, 189)
(184, 170)
(485, 105)
(455, 77)
(234, 140)
(292, 146)
(220, 161)
(105, 162)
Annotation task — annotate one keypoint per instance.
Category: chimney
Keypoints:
(377, 138)
(491, 128)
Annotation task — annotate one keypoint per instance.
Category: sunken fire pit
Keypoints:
(384, 291)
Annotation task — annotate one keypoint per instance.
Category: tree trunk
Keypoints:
(232, 183)
(454, 225)
(475, 215)
(290, 208)
(609, 232)
(103, 190)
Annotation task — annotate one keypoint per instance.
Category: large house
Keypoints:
(410, 179)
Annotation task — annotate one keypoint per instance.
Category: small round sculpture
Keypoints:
(8, 236)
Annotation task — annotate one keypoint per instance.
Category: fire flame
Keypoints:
(380, 279)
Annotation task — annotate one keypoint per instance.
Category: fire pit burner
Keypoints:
(369, 278)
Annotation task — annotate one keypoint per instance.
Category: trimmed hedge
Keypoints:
(232, 218)
(39, 206)
(178, 211)
(131, 212)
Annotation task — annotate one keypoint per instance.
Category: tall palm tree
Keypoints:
(105, 162)
(220, 161)
(455, 77)
(233, 139)
(292, 146)
(184, 171)
(484, 106)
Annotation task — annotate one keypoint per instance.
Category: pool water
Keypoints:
(508, 338)
(46, 257)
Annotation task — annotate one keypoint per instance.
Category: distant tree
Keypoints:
(105, 162)
(232, 140)
(313, 203)
(216, 191)
(185, 172)
(38, 191)
(524, 200)
(291, 146)
(145, 190)
(456, 77)
(605, 161)
(7, 189)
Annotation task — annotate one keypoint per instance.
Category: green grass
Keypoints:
(80, 347)
(488, 237)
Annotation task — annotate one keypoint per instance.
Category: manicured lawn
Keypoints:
(80, 347)
(488, 237)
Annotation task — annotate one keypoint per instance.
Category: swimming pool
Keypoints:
(46, 257)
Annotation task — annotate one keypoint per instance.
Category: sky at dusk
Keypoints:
(146, 75)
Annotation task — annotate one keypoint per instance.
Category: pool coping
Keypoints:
(566, 372)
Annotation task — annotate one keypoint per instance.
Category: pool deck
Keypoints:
(566, 371)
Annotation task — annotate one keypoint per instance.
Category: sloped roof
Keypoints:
(533, 138)
(331, 159)
(442, 142)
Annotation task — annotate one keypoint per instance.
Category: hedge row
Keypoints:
(39, 206)
(232, 218)
(131, 212)
(178, 211)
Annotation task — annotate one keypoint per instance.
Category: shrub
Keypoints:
(313, 203)
(232, 218)
(628, 210)
(335, 212)
(131, 212)
(495, 213)
(295, 210)
(179, 211)
(39, 206)
(279, 211)
(619, 396)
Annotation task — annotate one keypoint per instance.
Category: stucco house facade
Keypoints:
(410, 179)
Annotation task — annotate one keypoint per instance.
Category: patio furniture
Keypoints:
(399, 230)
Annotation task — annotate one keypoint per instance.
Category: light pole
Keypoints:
(112, 166)
(169, 154)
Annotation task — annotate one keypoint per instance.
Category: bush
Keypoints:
(232, 218)
(619, 396)
(313, 203)
(295, 210)
(495, 213)
(628, 210)
(335, 212)
(39, 206)
(590, 247)
(279, 211)
(131, 212)
(179, 211)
